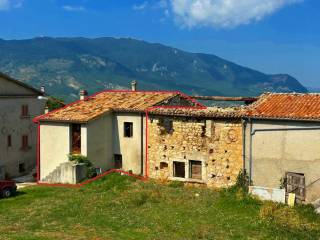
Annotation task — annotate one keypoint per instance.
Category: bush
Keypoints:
(91, 171)
(243, 181)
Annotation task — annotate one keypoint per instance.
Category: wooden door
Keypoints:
(296, 184)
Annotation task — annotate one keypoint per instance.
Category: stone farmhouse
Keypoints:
(19, 104)
(282, 143)
(164, 135)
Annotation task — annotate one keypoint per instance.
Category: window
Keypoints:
(76, 138)
(9, 141)
(166, 125)
(179, 169)
(195, 168)
(128, 129)
(22, 168)
(163, 165)
(117, 161)
(25, 142)
(25, 111)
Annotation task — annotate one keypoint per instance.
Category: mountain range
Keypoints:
(66, 65)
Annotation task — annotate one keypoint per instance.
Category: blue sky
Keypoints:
(273, 36)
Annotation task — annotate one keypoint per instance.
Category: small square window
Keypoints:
(128, 129)
(179, 169)
(117, 161)
(163, 165)
(167, 125)
(22, 168)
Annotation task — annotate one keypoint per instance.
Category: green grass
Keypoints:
(120, 207)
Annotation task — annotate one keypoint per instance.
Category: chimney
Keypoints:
(134, 85)
(46, 110)
(83, 94)
(43, 89)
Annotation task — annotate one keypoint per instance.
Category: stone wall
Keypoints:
(216, 143)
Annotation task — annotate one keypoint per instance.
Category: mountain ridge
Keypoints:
(66, 65)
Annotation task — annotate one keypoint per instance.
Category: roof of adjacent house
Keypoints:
(107, 101)
(7, 77)
(207, 112)
(286, 106)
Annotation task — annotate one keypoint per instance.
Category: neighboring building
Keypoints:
(19, 104)
(200, 146)
(282, 138)
(113, 130)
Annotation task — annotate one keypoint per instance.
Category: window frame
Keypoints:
(130, 133)
(191, 162)
(22, 167)
(75, 149)
(175, 171)
(9, 140)
(25, 111)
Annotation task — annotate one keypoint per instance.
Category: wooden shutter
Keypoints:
(196, 169)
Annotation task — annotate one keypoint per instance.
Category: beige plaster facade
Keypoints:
(17, 159)
(275, 147)
(101, 139)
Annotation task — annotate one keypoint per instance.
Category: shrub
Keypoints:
(243, 181)
(91, 171)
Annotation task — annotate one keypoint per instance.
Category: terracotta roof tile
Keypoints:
(96, 105)
(292, 106)
(210, 112)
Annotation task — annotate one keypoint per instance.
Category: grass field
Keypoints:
(120, 207)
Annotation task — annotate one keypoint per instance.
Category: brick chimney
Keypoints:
(134, 84)
(83, 94)
(46, 110)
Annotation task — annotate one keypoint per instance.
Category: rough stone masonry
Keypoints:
(209, 150)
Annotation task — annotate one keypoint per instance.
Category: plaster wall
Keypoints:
(131, 148)
(14, 125)
(54, 147)
(99, 141)
(276, 152)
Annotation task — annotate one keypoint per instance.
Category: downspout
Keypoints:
(250, 156)
(141, 146)
(38, 153)
(244, 128)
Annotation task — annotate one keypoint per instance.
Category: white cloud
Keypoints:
(140, 7)
(224, 13)
(73, 8)
(8, 4)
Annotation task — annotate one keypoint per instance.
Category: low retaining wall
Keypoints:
(272, 194)
(67, 173)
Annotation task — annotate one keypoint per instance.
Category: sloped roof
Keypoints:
(7, 77)
(207, 112)
(291, 106)
(101, 103)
